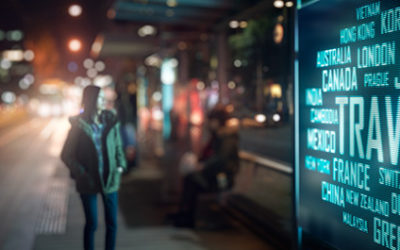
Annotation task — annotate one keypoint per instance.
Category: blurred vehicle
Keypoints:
(50, 109)
(55, 98)
(251, 119)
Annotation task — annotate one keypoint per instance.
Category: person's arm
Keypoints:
(206, 151)
(68, 155)
(121, 160)
(226, 154)
(213, 161)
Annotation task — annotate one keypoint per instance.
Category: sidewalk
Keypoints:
(141, 220)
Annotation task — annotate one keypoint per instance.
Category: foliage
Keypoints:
(253, 40)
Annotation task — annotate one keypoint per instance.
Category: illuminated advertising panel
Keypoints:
(348, 122)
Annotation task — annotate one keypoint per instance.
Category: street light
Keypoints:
(75, 10)
(172, 3)
(234, 24)
(74, 45)
(289, 4)
(147, 30)
(279, 4)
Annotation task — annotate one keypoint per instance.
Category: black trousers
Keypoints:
(204, 181)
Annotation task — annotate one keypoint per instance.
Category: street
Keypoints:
(29, 153)
(274, 143)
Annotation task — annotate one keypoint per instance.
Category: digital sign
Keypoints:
(348, 122)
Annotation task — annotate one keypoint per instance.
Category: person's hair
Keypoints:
(89, 101)
(220, 114)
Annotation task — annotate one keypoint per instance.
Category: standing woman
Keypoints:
(94, 155)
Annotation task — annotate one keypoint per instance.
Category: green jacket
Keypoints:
(80, 155)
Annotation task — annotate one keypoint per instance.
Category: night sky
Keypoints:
(47, 28)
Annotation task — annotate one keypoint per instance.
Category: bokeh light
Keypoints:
(72, 67)
(74, 45)
(200, 85)
(30, 78)
(182, 46)
(147, 30)
(260, 118)
(8, 97)
(5, 64)
(24, 83)
(157, 114)
(233, 122)
(231, 85)
(100, 66)
(75, 10)
(157, 96)
(279, 4)
(103, 80)
(172, 3)
(86, 81)
(14, 55)
(14, 35)
(88, 63)
(174, 62)
(276, 117)
(237, 63)
(78, 80)
(29, 55)
(92, 73)
(153, 60)
(289, 4)
(111, 14)
(234, 24)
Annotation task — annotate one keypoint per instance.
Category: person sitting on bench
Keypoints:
(218, 162)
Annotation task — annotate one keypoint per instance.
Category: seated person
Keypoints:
(218, 165)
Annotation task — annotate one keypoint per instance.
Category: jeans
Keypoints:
(110, 202)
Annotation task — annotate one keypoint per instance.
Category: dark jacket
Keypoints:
(80, 155)
(224, 158)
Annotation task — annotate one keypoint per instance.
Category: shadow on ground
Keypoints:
(140, 200)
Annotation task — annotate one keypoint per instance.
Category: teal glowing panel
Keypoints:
(348, 131)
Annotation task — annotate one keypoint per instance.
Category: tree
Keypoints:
(252, 46)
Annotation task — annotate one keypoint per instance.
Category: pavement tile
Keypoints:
(143, 204)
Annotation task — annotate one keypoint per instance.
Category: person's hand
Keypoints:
(130, 153)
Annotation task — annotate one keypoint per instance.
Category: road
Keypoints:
(272, 143)
(29, 158)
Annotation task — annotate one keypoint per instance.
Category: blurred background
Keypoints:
(164, 64)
